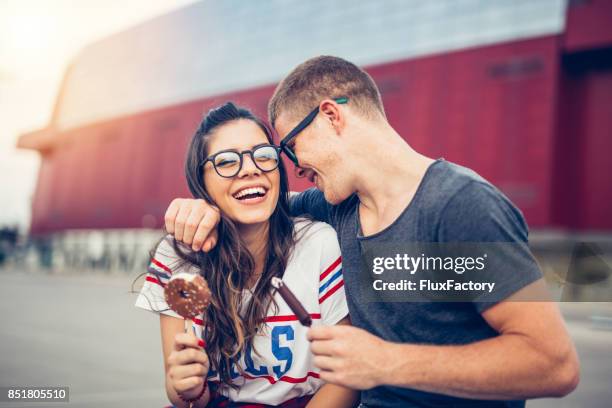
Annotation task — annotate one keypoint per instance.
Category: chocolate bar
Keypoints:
(293, 303)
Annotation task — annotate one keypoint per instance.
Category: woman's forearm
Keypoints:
(179, 403)
(332, 395)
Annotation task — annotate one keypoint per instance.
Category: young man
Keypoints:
(372, 187)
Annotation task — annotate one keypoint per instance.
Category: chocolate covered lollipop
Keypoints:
(294, 304)
(188, 295)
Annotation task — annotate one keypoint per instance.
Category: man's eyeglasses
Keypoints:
(228, 163)
(286, 143)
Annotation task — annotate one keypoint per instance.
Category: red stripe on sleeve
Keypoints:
(161, 265)
(331, 291)
(154, 280)
(330, 268)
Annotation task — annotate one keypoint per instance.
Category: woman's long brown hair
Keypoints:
(228, 333)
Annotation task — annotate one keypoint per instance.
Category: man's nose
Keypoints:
(302, 172)
(311, 175)
(299, 172)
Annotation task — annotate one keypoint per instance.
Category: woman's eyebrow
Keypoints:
(259, 145)
(239, 150)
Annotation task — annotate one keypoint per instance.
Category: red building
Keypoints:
(518, 90)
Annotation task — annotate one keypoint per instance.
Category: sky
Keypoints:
(38, 38)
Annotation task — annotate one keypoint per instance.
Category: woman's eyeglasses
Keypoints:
(228, 163)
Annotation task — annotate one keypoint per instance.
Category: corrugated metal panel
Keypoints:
(490, 108)
(123, 173)
(596, 186)
(582, 190)
(217, 47)
(588, 25)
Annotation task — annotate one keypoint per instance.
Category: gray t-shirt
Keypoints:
(452, 204)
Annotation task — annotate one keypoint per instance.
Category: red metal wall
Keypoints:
(493, 109)
(119, 173)
(582, 188)
(589, 25)
(595, 213)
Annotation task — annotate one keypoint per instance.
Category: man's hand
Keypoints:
(194, 222)
(349, 356)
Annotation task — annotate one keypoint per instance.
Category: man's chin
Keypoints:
(319, 186)
(330, 197)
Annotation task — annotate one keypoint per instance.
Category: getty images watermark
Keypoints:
(460, 272)
(424, 264)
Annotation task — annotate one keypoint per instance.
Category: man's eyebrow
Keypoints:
(259, 145)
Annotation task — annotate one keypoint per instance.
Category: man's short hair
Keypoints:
(325, 77)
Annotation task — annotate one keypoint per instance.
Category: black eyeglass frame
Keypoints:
(241, 154)
(284, 144)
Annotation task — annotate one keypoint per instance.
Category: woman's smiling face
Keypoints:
(249, 197)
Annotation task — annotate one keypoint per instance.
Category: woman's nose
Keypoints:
(248, 166)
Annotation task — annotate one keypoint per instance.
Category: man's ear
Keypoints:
(332, 112)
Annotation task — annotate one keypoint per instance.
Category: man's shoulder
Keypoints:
(450, 178)
(452, 184)
(464, 186)
(451, 190)
(470, 204)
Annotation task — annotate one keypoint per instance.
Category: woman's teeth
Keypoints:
(251, 192)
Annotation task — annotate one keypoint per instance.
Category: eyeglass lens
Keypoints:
(228, 164)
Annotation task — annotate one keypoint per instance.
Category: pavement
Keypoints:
(83, 331)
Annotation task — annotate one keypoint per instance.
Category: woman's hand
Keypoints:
(187, 366)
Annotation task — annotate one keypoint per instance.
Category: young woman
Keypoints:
(248, 347)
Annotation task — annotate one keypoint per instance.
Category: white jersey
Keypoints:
(282, 367)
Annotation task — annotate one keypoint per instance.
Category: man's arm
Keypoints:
(532, 357)
(533, 354)
(194, 221)
(312, 203)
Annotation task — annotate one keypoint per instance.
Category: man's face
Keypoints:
(319, 152)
